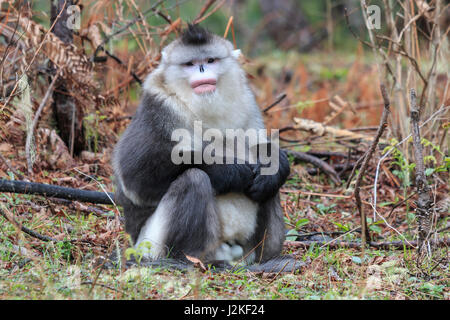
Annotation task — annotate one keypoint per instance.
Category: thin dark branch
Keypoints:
(356, 166)
(277, 101)
(51, 191)
(30, 232)
(119, 61)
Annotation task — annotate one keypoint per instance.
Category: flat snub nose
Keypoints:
(201, 68)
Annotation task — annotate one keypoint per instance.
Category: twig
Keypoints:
(203, 10)
(129, 24)
(357, 164)
(6, 162)
(30, 133)
(398, 204)
(277, 101)
(382, 126)
(11, 95)
(101, 285)
(30, 232)
(39, 236)
(424, 202)
(353, 244)
(217, 7)
(325, 167)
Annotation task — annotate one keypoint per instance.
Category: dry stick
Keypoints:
(322, 165)
(203, 10)
(441, 110)
(352, 244)
(39, 236)
(26, 230)
(11, 95)
(217, 7)
(34, 124)
(6, 162)
(357, 164)
(424, 202)
(382, 126)
(277, 101)
(128, 25)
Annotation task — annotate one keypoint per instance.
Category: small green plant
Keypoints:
(65, 249)
(404, 168)
(91, 125)
(324, 209)
(139, 251)
(444, 167)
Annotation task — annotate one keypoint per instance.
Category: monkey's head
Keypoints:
(199, 64)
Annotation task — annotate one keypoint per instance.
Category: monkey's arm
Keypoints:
(266, 186)
(228, 177)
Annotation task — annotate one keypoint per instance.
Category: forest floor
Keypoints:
(315, 208)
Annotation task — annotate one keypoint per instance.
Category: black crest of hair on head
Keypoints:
(195, 35)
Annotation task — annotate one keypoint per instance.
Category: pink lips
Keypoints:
(204, 85)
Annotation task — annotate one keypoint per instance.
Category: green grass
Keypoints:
(66, 270)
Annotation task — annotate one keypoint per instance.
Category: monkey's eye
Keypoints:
(189, 64)
(211, 60)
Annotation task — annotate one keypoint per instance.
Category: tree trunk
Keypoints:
(69, 116)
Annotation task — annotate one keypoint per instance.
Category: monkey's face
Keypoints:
(202, 75)
(199, 70)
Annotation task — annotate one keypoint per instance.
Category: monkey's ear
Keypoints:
(163, 55)
(236, 53)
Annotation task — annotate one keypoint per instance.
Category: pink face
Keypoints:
(202, 75)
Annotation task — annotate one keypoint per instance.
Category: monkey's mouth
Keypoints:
(204, 86)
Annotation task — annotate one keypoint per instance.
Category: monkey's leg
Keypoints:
(135, 216)
(267, 241)
(185, 221)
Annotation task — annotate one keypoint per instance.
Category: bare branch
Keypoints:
(382, 126)
(424, 202)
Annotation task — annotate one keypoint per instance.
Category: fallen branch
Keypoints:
(325, 167)
(321, 130)
(353, 244)
(51, 191)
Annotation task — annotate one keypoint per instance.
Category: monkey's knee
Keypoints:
(193, 181)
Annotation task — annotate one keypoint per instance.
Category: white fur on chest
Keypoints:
(237, 215)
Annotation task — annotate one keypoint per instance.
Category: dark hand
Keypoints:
(265, 187)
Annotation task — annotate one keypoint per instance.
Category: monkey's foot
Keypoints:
(229, 252)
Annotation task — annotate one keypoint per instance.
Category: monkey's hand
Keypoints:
(265, 186)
